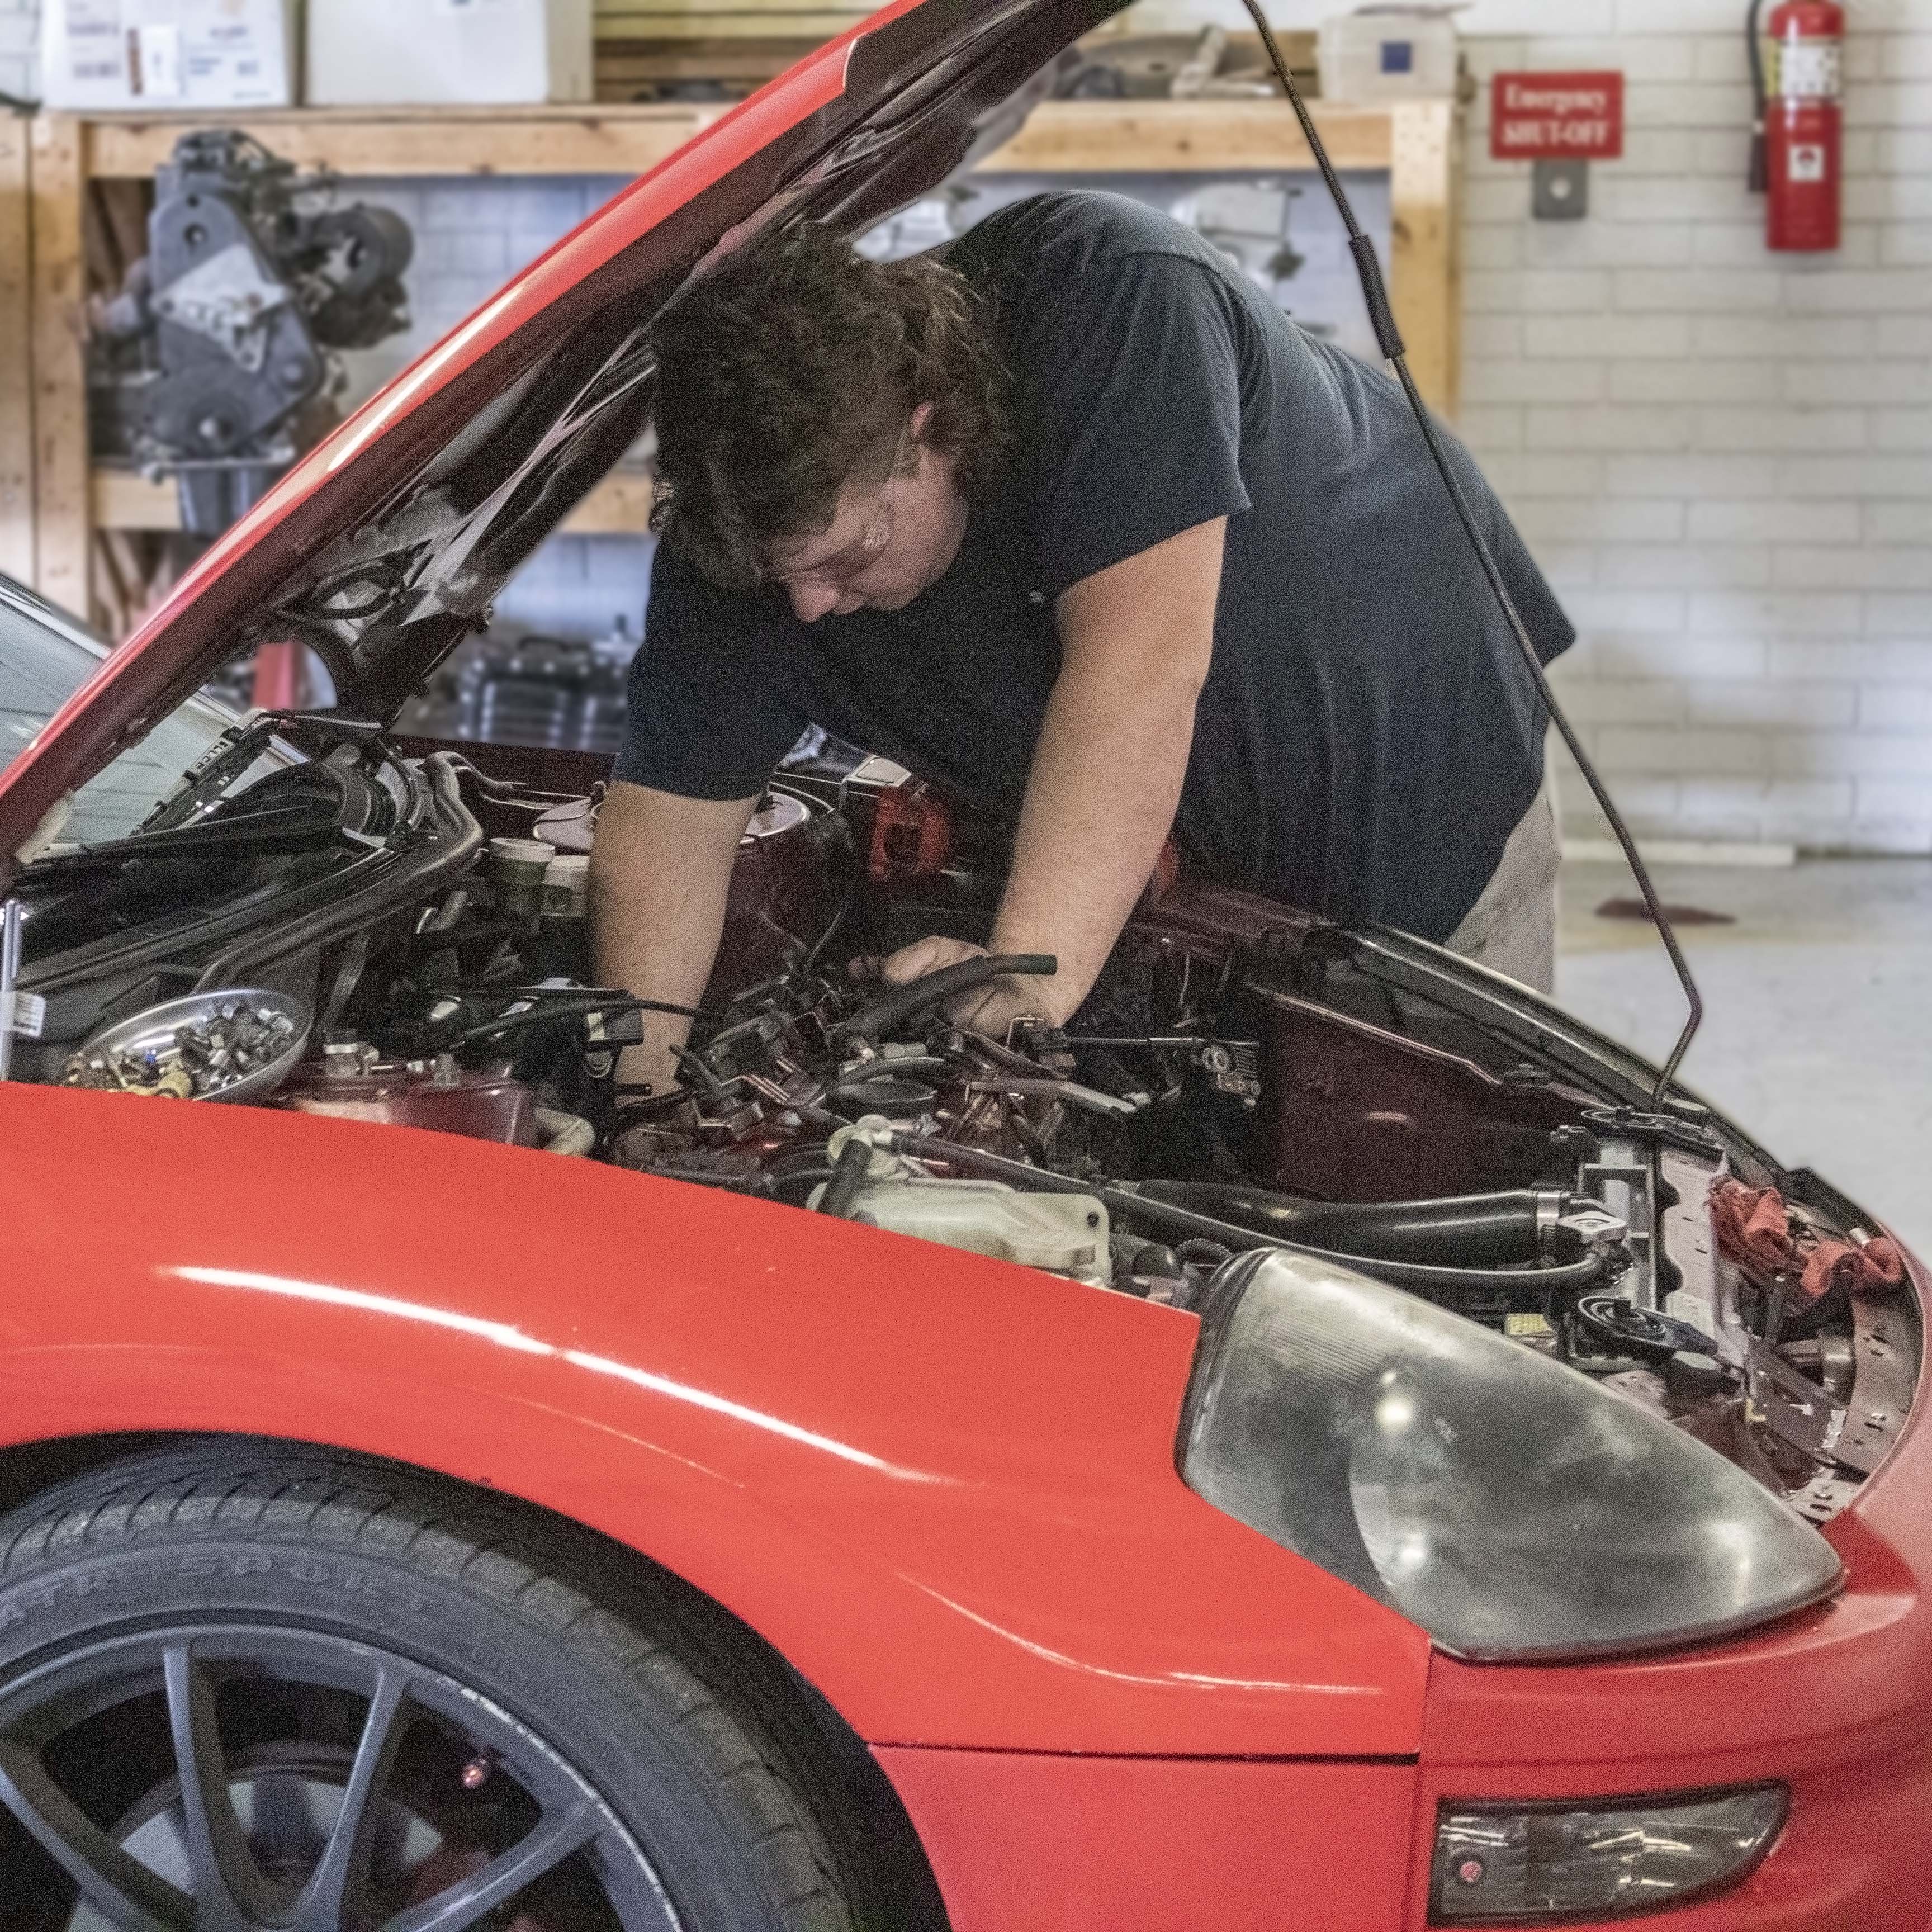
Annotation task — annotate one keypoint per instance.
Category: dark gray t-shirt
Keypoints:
(1368, 735)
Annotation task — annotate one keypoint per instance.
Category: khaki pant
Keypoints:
(1512, 929)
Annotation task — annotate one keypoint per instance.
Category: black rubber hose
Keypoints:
(1467, 1230)
(848, 1176)
(1185, 1222)
(933, 989)
(1422, 1276)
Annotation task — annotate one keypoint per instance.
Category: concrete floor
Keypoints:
(1817, 1033)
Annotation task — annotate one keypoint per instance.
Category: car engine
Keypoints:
(212, 364)
(387, 932)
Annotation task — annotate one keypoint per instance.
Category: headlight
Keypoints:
(1501, 1500)
(1546, 1863)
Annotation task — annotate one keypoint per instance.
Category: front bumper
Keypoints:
(1834, 1702)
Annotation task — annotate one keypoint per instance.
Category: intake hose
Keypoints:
(1465, 1231)
(933, 989)
(1422, 1277)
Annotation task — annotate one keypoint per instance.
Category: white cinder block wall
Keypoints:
(1723, 457)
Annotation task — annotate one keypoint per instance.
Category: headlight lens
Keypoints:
(1548, 1863)
(1505, 1502)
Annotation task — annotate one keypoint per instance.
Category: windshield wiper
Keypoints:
(237, 748)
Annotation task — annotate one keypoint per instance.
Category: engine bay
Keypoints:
(389, 932)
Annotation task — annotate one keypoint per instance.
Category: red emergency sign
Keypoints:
(1557, 117)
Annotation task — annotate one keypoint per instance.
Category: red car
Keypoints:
(1317, 1443)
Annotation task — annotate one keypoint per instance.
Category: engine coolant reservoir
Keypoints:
(1063, 1233)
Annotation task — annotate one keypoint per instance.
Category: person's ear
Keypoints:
(916, 425)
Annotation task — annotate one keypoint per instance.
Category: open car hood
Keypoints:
(384, 547)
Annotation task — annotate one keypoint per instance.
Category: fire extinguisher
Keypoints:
(1797, 157)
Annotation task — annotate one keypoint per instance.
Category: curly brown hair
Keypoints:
(793, 367)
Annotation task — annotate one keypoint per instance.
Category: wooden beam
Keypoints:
(1425, 265)
(616, 139)
(1192, 137)
(16, 366)
(619, 506)
(701, 21)
(63, 537)
(741, 64)
(125, 500)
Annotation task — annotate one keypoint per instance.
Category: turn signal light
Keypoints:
(1544, 1864)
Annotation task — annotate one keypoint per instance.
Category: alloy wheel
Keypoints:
(253, 1778)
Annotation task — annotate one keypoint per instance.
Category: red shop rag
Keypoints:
(1755, 1229)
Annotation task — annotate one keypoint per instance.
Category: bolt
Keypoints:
(475, 1773)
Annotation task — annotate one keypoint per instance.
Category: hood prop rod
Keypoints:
(10, 979)
(1388, 337)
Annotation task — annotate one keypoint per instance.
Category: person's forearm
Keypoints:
(1137, 641)
(660, 873)
(1106, 778)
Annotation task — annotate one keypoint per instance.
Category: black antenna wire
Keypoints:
(1389, 338)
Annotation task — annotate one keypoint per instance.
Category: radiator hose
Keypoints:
(1464, 1231)
(1130, 1199)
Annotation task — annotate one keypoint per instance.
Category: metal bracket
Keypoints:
(1559, 190)
(1663, 1129)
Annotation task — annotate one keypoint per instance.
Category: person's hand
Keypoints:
(916, 961)
(652, 1064)
(990, 1009)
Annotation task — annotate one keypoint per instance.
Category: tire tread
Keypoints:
(419, 1523)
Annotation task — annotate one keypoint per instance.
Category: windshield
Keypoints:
(45, 658)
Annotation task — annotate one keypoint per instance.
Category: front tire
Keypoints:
(245, 1685)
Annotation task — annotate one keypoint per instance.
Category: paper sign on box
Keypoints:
(106, 54)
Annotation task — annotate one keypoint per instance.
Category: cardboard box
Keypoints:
(1387, 51)
(365, 52)
(106, 54)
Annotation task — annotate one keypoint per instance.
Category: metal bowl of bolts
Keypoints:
(238, 1044)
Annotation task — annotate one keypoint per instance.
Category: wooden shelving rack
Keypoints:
(16, 366)
(71, 208)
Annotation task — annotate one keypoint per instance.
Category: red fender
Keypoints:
(943, 1487)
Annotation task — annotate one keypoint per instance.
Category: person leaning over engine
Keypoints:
(1069, 517)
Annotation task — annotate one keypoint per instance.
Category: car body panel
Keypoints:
(1082, 1844)
(1830, 1702)
(943, 1487)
